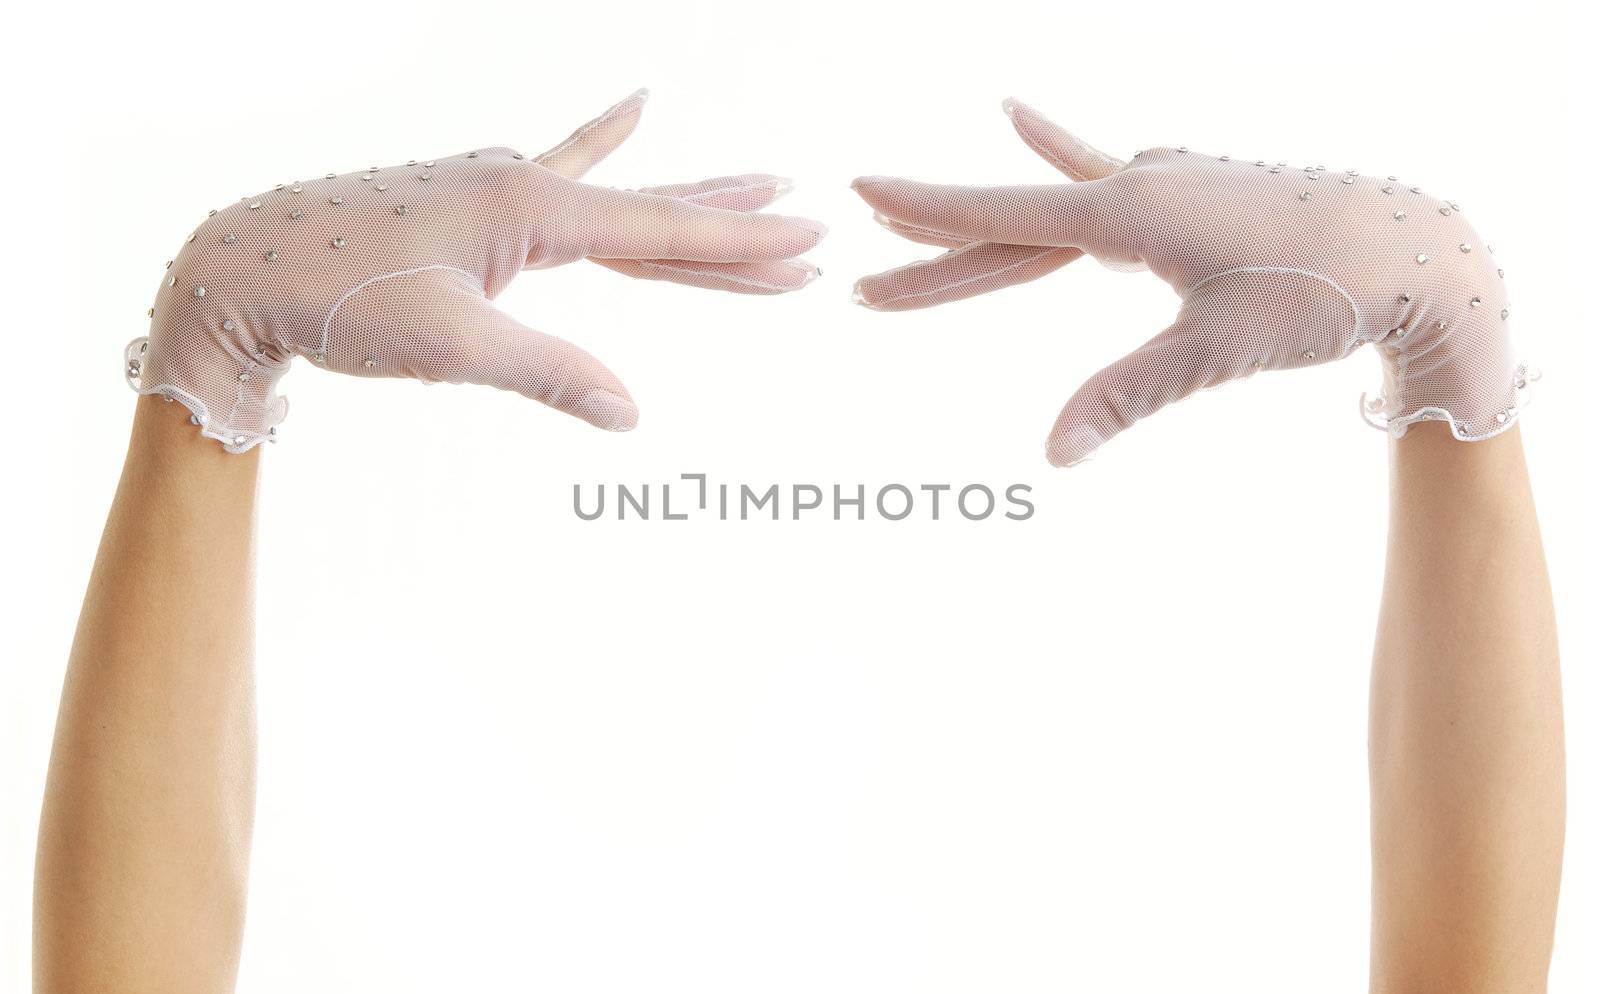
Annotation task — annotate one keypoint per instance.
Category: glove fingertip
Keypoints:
(1073, 446)
(607, 411)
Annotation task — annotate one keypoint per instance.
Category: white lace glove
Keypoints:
(1278, 267)
(389, 272)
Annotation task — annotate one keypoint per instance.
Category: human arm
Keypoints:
(144, 840)
(1282, 267)
(145, 832)
(1465, 736)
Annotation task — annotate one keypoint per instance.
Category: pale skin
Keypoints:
(144, 843)
(1467, 764)
(145, 837)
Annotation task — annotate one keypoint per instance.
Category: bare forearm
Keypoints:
(145, 835)
(1466, 740)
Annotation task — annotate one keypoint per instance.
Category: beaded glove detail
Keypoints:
(390, 272)
(1277, 268)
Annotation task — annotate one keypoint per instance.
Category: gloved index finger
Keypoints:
(744, 192)
(621, 224)
(1060, 215)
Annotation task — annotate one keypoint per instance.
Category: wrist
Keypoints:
(228, 388)
(164, 441)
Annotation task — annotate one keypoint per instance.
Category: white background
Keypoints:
(1118, 747)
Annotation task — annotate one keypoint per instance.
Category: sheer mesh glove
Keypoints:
(390, 272)
(1277, 267)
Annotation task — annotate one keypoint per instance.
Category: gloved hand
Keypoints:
(1278, 268)
(389, 272)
